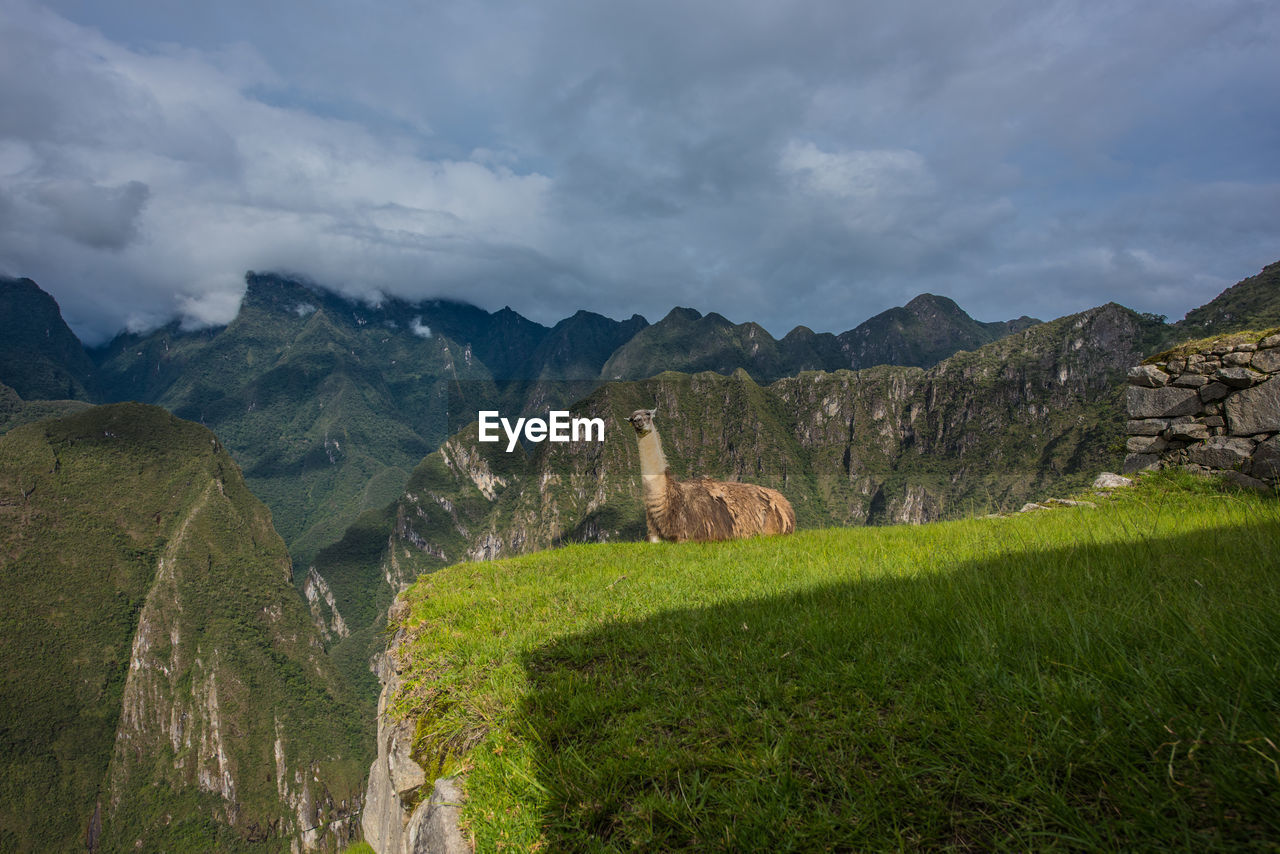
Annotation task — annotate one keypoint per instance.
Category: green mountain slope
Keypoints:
(40, 357)
(15, 411)
(163, 687)
(922, 333)
(1252, 303)
(327, 404)
(689, 342)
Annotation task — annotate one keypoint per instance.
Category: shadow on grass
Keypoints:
(1101, 696)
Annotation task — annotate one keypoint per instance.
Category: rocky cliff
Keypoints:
(164, 687)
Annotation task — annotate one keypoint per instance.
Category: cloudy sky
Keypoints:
(785, 162)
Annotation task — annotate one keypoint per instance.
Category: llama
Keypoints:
(702, 509)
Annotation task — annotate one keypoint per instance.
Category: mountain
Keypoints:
(687, 341)
(40, 357)
(922, 333)
(164, 687)
(328, 403)
(15, 411)
(1251, 303)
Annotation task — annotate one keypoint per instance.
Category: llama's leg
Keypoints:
(653, 534)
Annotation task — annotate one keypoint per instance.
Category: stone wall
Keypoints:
(1211, 408)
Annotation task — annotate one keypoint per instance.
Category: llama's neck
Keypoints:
(653, 463)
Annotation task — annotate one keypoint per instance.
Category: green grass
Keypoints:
(1087, 678)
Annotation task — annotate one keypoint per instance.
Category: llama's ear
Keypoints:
(654, 411)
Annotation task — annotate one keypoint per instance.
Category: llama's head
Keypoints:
(642, 420)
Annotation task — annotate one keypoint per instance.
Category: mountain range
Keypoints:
(328, 403)
(354, 425)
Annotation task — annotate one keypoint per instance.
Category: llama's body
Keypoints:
(702, 509)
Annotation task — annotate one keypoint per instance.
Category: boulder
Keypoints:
(1267, 360)
(1269, 341)
(1254, 410)
(1148, 375)
(1237, 377)
(1187, 431)
(1213, 391)
(1109, 480)
(1221, 452)
(1265, 462)
(1190, 381)
(1164, 402)
(1146, 427)
(1145, 444)
(1237, 360)
(1244, 480)
(1140, 462)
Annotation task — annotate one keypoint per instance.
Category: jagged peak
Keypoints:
(681, 315)
(717, 319)
(926, 301)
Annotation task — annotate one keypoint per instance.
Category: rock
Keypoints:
(1213, 421)
(1243, 480)
(1069, 502)
(434, 828)
(1140, 462)
(1147, 375)
(391, 777)
(1265, 462)
(1237, 377)
(1177, 366)
(1146, 427)
(1145, 444)
(1190, 381)
(1188, 431)
(1213, 391)
(1031, 505)
(1165, 402)
(1267, 360)
(1254, 410)
(1221, 452)
(1109, 480)
(1238, 360)
(1269, 341)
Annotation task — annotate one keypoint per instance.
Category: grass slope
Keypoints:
(1086, 678)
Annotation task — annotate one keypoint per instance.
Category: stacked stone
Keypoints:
(1216, 411)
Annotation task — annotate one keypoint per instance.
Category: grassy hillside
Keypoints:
(1250, 303)
(1100, 678)
(161, 681)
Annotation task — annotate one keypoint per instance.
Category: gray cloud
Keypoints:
(805, 162)
(99, 217)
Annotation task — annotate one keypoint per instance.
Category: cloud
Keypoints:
(417, 327)
(100, 217)
(787, 162)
